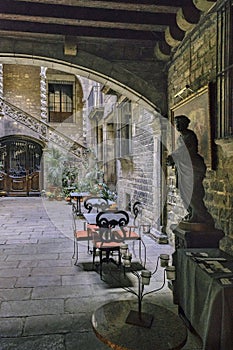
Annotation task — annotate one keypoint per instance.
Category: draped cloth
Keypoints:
(191, 171)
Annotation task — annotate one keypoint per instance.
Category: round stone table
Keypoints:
(166, 332)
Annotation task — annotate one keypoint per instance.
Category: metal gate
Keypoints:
(20, 160)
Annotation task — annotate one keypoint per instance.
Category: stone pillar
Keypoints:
(44, 166)
(1, 80)
(43, 94)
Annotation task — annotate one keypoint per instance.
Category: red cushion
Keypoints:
(92, 227)
(132, 235)
(101, 244)
(128, 235)
(81, 235)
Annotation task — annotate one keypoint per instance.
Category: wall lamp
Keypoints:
(182, 91)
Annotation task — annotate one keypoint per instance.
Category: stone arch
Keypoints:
(121, 78)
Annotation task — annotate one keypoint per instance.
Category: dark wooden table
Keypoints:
(79, 196)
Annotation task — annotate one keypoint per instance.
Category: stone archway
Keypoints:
(139, 85)
(112, 75)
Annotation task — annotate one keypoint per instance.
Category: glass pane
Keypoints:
(60, 101)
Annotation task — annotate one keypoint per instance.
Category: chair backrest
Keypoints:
(98, 203)
(137, 210)
(112, 224)
(75, 219)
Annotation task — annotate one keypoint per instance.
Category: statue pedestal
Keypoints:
(196, 235)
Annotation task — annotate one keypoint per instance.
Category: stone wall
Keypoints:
(194, 64)
(139, 175)
(22, 87)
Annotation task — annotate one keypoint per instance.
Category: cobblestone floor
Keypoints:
(45, 301)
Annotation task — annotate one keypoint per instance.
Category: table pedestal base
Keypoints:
(167, 330)
(139, 319)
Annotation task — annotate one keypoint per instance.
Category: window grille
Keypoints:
(124, 131)
(224, 81)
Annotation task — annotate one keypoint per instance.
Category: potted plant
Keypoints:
(59, 196)
(50, 196)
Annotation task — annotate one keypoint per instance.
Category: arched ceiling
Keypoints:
(124, 43)
(157, 25)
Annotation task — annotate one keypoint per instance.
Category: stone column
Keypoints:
(43, 94)
(1, 80)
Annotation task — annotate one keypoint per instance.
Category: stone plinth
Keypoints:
(196, 235)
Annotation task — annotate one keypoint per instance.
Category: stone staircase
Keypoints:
(43, 129)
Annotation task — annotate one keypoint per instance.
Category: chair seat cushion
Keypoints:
(107, 245)
(128, 235)
(82, 235)
(92, 227)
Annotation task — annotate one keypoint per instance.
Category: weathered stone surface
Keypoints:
(52, 324)
(45, 342)
(31, 307)
(11, 327)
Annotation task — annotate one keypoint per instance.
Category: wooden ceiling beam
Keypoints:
(144, 5)
(14, 8)
(84, 23)
(78, 31)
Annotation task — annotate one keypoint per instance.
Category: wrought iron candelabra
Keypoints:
(138, 317)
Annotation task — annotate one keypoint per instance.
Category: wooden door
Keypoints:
(20, 166)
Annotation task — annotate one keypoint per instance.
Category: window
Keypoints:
(224, 127)
(124, 130)
(60, 102)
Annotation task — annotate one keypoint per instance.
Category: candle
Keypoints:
(146, 275)
(164, 259)
(171, 272)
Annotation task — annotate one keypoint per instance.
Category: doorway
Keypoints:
(20, 169)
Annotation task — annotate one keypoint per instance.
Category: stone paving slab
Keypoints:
(31, 307)
(45, 342)
(35, 281)
(15, 294)
(51, 324)
(11, 327)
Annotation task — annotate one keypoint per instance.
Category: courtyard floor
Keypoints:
(46, 302)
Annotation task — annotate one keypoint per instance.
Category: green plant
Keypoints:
(107, 193)
(65, 171)
(60, 195)
(55, 166)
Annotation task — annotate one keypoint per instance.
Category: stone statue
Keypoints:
(191, 170)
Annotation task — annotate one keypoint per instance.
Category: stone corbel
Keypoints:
(171, 41)
(70, 46)
(203, 5)
(187, 17)
(182, 22)
(160, 54)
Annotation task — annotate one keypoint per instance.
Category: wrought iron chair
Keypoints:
(96, 203)
(80, 236)
(110, 236)
(131, 234)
